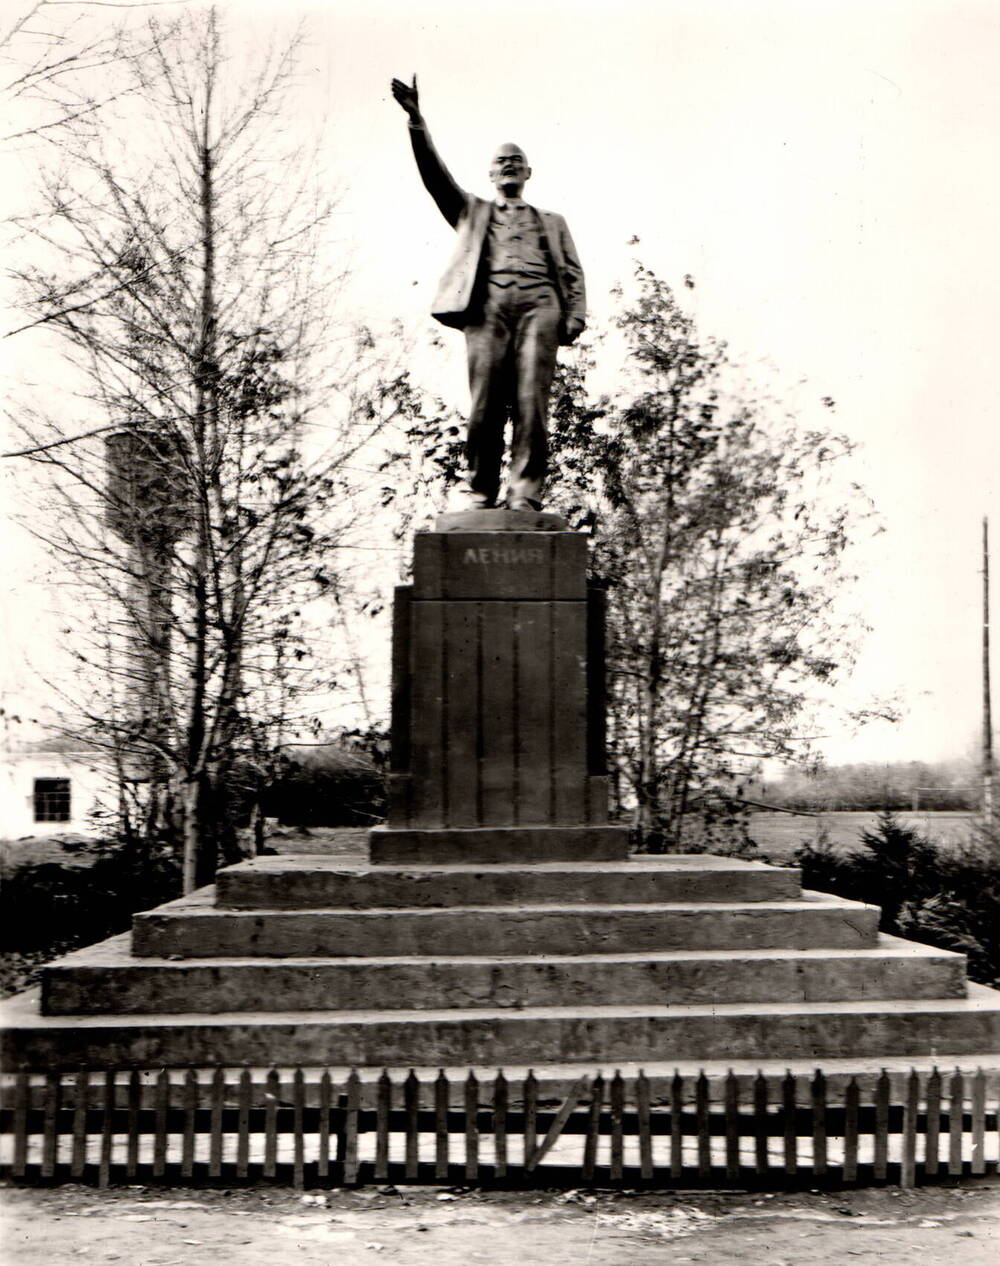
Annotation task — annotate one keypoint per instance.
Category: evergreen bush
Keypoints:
(946, 895)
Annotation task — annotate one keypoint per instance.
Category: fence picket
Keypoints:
(323, 1141)
(932, 1126)
(19, 1111)
(160, 1127)
(676, 1136)
(593, 1129)
(81, 1102)
(351, 1128)
(762, 1160)
(978, 1158)
(617, 1125)
(732, 1109)
(132, 1151)
(190, 1108)
(243, 1124)
(701, 1106)
(788, 1111)
(908, 1169)
(956, 1107)
(852, 1112)
(995, 1097)
(642, 1097)
(298, 1125)
(530, 1115)
(215, 1123)
(818, 1096)
(500, 1124)
(383, 1103)
(881, 1166)
(107, 1117)
(441, 1139)
(411, 1107)
(471, 1128)
(272, 1091)
(50, 1139)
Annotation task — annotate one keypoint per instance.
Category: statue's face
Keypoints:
(509, 169)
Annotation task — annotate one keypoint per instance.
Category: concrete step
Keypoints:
(529, 845)
(940, 1029)
(192, 927)
(299, 883)
(107, 979)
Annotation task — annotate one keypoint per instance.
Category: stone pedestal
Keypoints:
(498, 701)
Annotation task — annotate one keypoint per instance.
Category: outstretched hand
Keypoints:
(406, 95)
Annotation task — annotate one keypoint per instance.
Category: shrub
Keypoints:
(944, 895)
(56, 907)
(334, 785)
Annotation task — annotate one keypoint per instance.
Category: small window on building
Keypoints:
(52, 800)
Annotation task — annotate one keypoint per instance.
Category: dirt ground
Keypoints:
(429, 1227)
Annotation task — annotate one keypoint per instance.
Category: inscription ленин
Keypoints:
(487, 554)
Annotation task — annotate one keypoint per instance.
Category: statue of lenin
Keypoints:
(515, 286)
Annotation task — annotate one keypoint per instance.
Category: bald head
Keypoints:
(509, 169)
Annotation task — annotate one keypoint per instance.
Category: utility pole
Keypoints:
(988, 804)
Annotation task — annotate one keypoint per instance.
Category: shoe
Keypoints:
(461, 498)
(524, 503)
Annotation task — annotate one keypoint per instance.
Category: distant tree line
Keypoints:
(873, 786)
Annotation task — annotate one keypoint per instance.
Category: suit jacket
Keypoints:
(470, 217)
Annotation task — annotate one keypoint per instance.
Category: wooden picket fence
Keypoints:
(311, 1127)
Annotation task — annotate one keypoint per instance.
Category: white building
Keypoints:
(50, 788)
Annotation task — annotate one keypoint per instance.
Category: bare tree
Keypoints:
(204, 494)
(49, 64)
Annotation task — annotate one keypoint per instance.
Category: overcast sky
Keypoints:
(828, 173)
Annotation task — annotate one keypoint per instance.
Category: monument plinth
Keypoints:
(498, 701)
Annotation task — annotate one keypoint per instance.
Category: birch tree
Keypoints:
(720, 530)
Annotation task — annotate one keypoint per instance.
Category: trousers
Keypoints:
(512, 358)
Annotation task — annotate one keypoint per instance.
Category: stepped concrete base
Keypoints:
(401, 846)
(106, 979)
(748, 1032)
(192, 927)
(300, 883)
(677, 959)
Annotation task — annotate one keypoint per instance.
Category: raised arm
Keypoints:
(438, 180)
